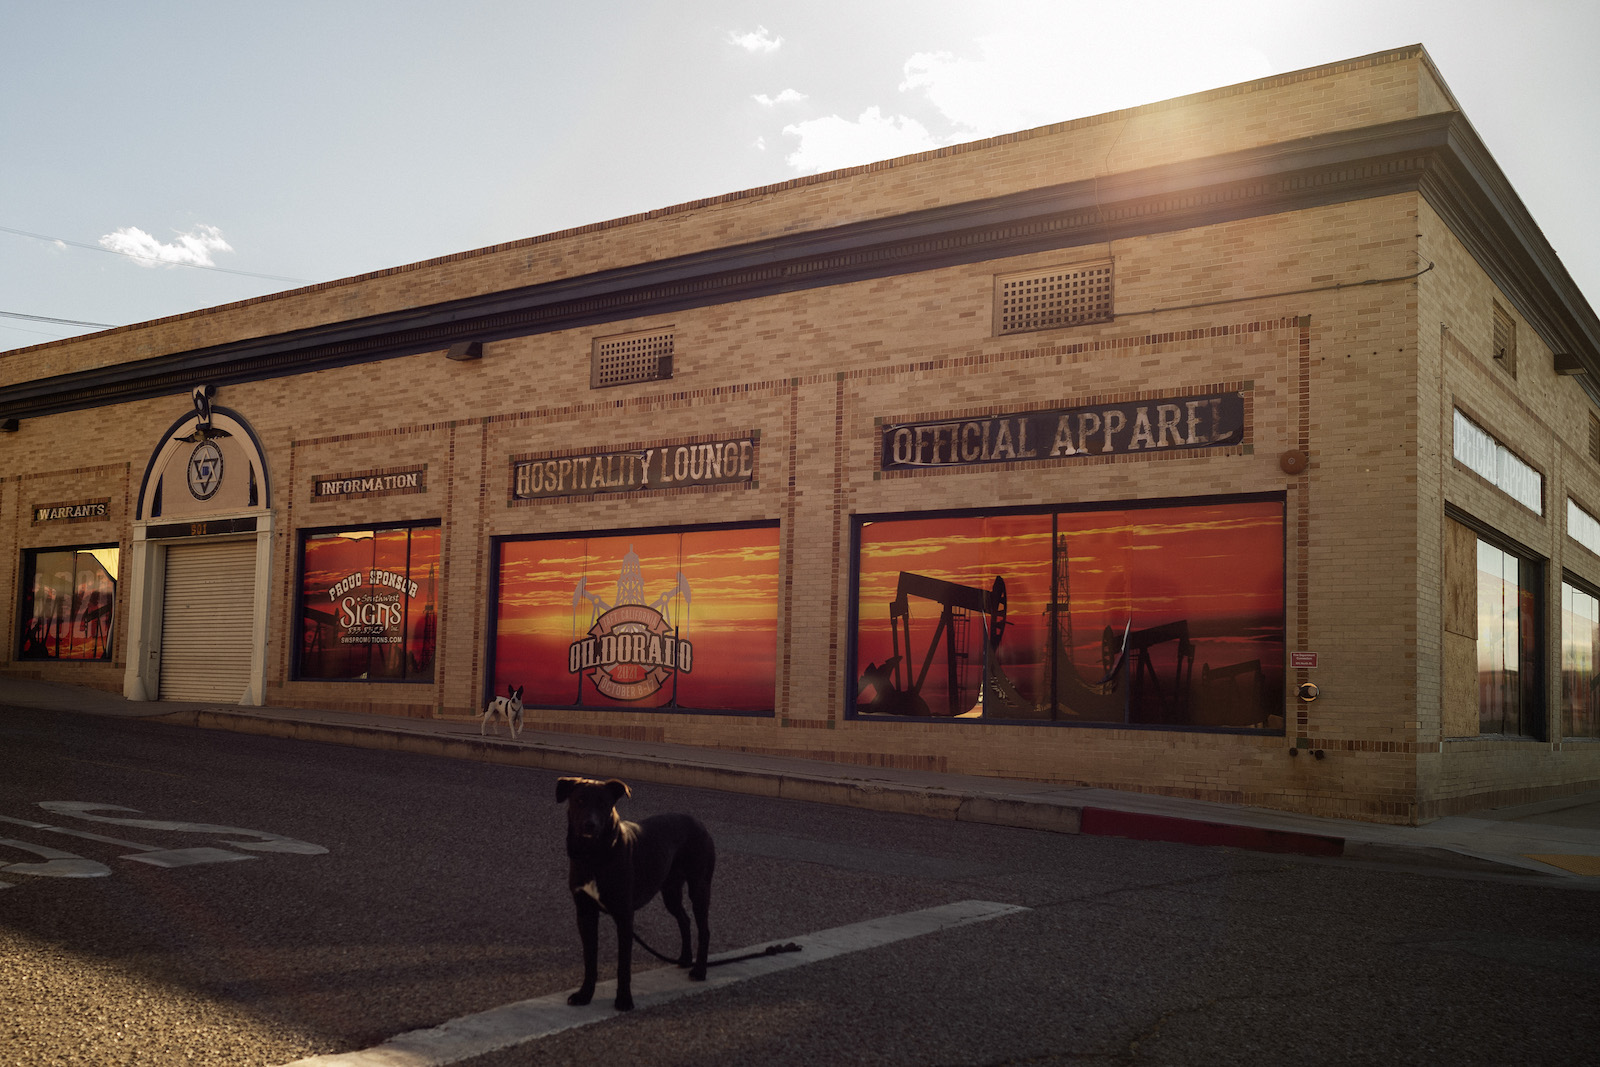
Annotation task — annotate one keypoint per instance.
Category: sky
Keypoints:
(169, 155)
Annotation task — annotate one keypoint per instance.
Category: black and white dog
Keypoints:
(509, 707)
(617, 866)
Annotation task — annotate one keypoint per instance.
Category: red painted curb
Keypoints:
(1104, 822)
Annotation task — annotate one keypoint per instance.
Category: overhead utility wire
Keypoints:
(46, 318)
(150, 259)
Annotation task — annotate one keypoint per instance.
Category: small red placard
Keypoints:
(1302, 660)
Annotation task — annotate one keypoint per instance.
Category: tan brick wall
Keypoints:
(812, 371)
(1379, 88)
(923, 344)
(1542, 417)
(1318, 316)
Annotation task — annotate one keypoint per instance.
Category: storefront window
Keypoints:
(368, 604)
(1580, 646)
(682, 620)
(1161, 616)
(1508, 643)
(69, 603)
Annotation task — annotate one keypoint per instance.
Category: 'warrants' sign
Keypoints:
(89, 509)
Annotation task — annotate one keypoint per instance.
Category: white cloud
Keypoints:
(788, 96)
(192, 249)
(758, 40)
(1019, 81)
(1011, 81)
(832, 142)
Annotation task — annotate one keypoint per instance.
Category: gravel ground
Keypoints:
(125, 1017)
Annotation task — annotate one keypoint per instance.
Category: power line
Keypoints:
(56, 336)
(150, 259)
(62, 322)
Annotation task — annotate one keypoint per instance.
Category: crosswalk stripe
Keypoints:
(528, 1020)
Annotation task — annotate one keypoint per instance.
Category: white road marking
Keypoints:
(265, 842)
(61, 864)
(57, 864)
(527, 1020)
(186, 857)
(154, 855)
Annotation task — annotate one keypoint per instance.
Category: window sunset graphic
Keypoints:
(1195, 592)
(715, 591)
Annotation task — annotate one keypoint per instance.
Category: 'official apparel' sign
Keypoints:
(1211, 420)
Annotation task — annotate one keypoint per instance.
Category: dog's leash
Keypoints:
(770, 950)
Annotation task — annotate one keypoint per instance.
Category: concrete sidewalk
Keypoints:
(1557, 838)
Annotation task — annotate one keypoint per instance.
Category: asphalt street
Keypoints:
(439, 892)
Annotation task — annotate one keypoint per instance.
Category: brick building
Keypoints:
(1243, 446)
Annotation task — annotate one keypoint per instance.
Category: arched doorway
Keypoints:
(201, 560)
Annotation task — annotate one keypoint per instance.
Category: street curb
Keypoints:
(878, 796)
(1017, 812)
(1436, 857)
(1065, 811)
(1140, 826)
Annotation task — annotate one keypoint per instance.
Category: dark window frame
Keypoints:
(1533, 687)
(27, 634)
(492, 595)
(1592, 703)
(303, 537)
(854, 668)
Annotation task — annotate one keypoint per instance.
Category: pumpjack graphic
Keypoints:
(897, 695)
(1131, 683)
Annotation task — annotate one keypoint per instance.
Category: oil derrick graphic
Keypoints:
(630, 583)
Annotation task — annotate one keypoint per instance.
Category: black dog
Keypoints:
(618, 866)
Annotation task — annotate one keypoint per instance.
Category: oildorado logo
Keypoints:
(630, 653)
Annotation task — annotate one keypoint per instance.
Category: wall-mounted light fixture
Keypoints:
(9, 425)
(465, 350)
(1567, 363)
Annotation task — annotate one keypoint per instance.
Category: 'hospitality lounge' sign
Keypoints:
(721, 462)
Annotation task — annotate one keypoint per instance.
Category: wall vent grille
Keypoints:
(632, 357)
(1060, 296)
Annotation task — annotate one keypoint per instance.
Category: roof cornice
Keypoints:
(1439, 155)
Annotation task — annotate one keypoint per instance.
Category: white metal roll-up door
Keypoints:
(206, 628)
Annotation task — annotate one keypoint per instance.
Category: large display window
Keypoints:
(368, 604)
(68, 602)
(680, 620)
(1510, 642)
(1166, 614)
(1580, 661)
